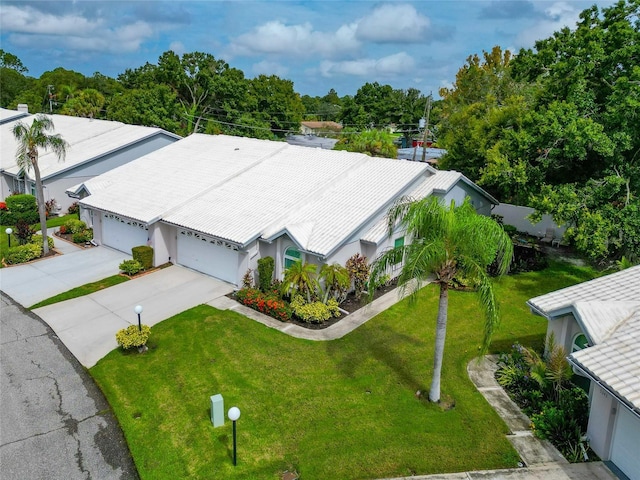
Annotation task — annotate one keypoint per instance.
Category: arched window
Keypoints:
(579, 342)
(291, 255)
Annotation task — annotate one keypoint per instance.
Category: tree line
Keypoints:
(556, 127)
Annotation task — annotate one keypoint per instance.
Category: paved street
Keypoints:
(54, 423)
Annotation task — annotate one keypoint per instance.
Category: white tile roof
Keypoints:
(87, 139)
(9, 115)
(239, 189)
(620, 286)
(616, 362)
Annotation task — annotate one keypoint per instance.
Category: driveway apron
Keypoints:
(54, 421)
(88, 325)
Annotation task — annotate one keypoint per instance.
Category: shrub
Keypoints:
(358, 269)
(23, 232)
(23, 253)
(74, 225)
(73, 208)
(20, 207)
(131, 336)
(510, 230)
(130, 267)
(83, 236)
(50, 206)
(63, 229)
(37, 239)
(144, 255)
(314, 312)
(266, 267)
(247, 279)
(267, 304)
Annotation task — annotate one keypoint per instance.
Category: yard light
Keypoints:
(234, 414)
(138, 310)
(8, 231)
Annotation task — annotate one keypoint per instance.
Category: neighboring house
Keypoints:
(598, 322)
(95, 147)
(431, 155)
(218, 203)
(13, 115)
(320, 128)
(312, 141)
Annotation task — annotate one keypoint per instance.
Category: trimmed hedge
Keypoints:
(266, 266)
(20, 207)
(144, 255)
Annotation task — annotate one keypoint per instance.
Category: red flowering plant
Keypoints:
(264, 303)
(3, 206)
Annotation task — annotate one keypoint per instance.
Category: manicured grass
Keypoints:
(81, 291)
(342, 409)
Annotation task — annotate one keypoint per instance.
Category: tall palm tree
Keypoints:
(30, 140)
(445, 243)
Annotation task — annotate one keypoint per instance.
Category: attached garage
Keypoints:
(208, 255)
(123, 233)
(626, 443)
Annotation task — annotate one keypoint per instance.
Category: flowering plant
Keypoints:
(267, 304)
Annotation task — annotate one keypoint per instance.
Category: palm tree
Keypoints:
(336, 281)
(445, 243)
(302, 278)
(31, 139)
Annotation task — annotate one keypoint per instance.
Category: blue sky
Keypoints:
(317, 44)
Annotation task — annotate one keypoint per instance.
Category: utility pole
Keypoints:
(427, 109)
(49, 89)
(426, 129)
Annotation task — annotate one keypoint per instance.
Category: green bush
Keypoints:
(23, 253)
(266, 267)
(314, 312)
(144, 255)
(130, 267)
(74, 225)
(37, 239)
(131, 336)
(20, 207)
(73, 208)
(510, 230)
(83, 236)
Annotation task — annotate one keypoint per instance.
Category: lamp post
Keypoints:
(138, 310)
(8, 231)
(234, 414)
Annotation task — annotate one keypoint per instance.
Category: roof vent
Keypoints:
(237, 148)
(23, 107)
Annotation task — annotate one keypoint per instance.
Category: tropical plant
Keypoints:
(336, 282)
(130, 267)
(446, 242)
(301, 278)
(314, 312)
(551, 369)
(30, 140)
(359, 271)
(23, 232)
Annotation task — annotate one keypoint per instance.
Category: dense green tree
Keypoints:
(9, 60)
(87, 103)
(12, 84)
(445, 243)
(153, 107)
(274, 100)
(377, 143)
(32, 138)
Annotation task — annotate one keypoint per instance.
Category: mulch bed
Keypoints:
(351, 304)
(68, 237)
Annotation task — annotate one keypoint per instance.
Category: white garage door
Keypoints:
(123, 233)
(206, 255)
(626, 443)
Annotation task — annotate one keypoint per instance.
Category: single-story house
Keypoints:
(598, 322)
(319, 128)
(95, 147)
(13, 115)
(219, 203)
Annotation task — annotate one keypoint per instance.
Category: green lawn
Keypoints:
(83, 290)
(343, 409)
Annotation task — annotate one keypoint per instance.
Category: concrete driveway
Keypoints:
(88, 325)
(31, 283)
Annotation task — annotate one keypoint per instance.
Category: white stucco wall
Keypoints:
(517, 216)
(603, 407)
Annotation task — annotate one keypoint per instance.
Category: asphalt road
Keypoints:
(54, 421)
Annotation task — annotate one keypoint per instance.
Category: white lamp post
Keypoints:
(8, 231)
(234, 414)
(138, 310)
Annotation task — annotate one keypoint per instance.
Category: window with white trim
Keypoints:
(291, 255)
(580, 342)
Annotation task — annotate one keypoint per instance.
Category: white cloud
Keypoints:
(393, 23)
(177, 47)
(30, 27)
(269, 68)
(390, 66)
(557, 16)
(300, 40)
